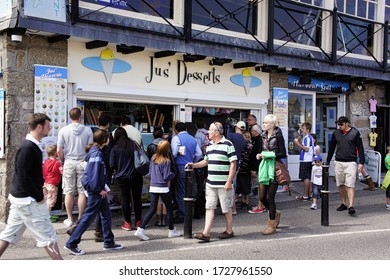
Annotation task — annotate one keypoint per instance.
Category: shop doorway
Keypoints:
(300, 110)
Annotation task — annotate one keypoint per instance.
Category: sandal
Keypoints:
(201, 236)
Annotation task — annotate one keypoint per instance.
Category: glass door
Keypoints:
(301, 108)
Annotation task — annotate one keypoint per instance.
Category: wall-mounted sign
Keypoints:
(47, 9)
(50, 98)
(317, 85)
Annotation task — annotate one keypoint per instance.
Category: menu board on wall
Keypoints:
(280, 98)
(50, 98)
(2, 98)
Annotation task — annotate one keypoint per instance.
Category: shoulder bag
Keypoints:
(141, 159)
(282, 176)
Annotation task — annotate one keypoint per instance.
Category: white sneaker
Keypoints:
(68, 223)
(387, 207)
(140, 233)
(313, 207)
(174, 233)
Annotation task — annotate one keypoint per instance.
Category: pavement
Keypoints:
(246, 226)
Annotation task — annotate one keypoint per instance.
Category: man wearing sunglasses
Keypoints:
(348, 144)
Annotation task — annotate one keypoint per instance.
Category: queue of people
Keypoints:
(229, 168)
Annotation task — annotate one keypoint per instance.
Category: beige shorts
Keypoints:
(225, 198)
(71, 178)
(50, 192)
(345, 173)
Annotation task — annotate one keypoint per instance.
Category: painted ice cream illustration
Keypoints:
(246, 80)
(106, 63)
(107, 60)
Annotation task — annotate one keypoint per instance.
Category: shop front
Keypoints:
(318, 102)
(157, 91)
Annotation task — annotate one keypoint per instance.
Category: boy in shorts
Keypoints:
(306, 160)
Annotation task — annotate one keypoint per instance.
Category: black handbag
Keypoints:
(141, 160)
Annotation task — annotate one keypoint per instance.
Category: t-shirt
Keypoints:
(316, 175)
(373, 137)
(219, 156)
(308, 141)
(373, 103)
(372, 119)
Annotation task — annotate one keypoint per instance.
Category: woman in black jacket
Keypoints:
(129, 180)
(273, 140)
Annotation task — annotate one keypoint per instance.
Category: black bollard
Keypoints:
(325, 195)
(188, 200)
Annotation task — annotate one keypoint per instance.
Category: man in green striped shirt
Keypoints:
(221, 160)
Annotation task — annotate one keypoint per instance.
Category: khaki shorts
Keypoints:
(71, 178)
(345, 173)
(225, 198)
(50, 192)
(34, 217)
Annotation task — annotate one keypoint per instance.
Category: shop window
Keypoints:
(300, 110)
(143, 116)
(227, 116)
(298, 23)
(354, 36)
(232, 15)
(160, 8)
(360, 8)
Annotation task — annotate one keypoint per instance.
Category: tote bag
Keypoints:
(141, 160)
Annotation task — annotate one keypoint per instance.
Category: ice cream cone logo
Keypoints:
(246, 80)
(107, 64)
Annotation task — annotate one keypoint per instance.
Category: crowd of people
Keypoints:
(228, 170)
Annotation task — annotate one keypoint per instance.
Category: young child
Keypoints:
(94, 181)
(386, 180)
(160, 173)
(316, 178)
(317, 148)
(52, 172)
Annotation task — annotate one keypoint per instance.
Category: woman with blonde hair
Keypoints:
(273, 141)
(160, 174)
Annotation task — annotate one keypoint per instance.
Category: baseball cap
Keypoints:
(342, 119)
(241, 125)
(317, 157)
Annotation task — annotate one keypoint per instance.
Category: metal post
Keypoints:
(325, 195)
(188, 199)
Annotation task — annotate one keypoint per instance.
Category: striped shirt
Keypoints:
(219, 156)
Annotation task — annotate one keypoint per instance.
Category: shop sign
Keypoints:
(317, 85)
(47, 9)
(373, 163)
(280, 109)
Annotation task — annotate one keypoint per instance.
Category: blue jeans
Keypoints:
(180, 190)
(316, 191)
(95, 205)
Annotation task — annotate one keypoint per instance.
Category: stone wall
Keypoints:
(18, 61)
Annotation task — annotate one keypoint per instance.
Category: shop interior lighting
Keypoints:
(193, 57)
(161, 54)
(95, 44)
(243, 65)
(219, 61)
(125, 49)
